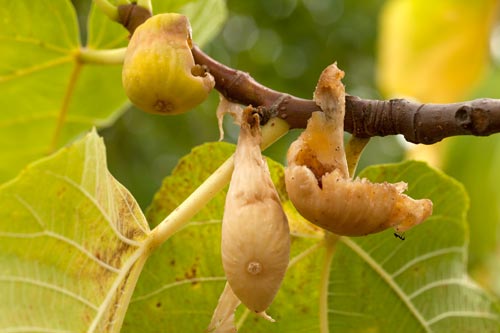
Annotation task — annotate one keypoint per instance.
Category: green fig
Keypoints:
(159, 73)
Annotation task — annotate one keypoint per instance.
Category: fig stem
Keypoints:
(353, 150)
(271, 132)
(108, 9)
(102, 57)
(243, 318)
(330, 241)
(145, 4)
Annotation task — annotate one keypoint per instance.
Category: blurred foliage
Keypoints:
(428, 53)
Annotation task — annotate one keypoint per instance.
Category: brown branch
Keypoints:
(417, 122)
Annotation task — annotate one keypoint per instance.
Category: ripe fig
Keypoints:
(318, 182)
(255, 233)
(159, 74)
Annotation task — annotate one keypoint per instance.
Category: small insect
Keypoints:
(400, 235)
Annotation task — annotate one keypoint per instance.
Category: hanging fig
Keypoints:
(159, 74)
(318, 182)
(255, 233)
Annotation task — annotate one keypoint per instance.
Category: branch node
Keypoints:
(131, 16)
(462, 116)
(472, 119)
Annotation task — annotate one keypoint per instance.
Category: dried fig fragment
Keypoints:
(255, 232)
(318, 182)
(159, 74)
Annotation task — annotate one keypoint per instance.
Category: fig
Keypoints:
(318, 182)
(159, 73)
(255, 233)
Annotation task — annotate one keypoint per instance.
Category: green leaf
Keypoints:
(183, 279)
(104, 33)
(72, 244)
(379, 283)
(206, 16)
(49, 96)
(479, 174)
(434, 51)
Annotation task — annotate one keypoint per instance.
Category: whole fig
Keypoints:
(159, 73)
(255, 233)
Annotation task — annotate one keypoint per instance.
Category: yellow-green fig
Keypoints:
(159, 73)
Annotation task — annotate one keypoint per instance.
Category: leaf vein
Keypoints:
(70, 242)
(429, 255)
(96, 204)
(389, 279)
(29, 70)
(470, 314)
(32, 329)
(53, 287)
(348, 313)
(176, 284)
(37, 42)
(464, 282)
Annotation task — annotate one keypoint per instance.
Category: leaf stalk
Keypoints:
(108, 9)
(102, 57)
(330, 241)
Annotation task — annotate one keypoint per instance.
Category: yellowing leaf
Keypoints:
(72, 244)
(48, 97)
(434, 51)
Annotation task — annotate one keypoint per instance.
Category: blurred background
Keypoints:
(441, 52)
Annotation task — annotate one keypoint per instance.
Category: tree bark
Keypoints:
(417, 122)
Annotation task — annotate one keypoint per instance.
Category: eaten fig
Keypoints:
(159, 73)
(318, 181)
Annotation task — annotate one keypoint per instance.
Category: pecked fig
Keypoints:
(159, 74)
(255, 233)
(318, 182)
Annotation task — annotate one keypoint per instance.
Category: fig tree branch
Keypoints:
(417, 122)
(364, 118)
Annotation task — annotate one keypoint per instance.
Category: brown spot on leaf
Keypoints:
(191, 273)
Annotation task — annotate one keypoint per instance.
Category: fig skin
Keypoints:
(255, 233)
(158, 68)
